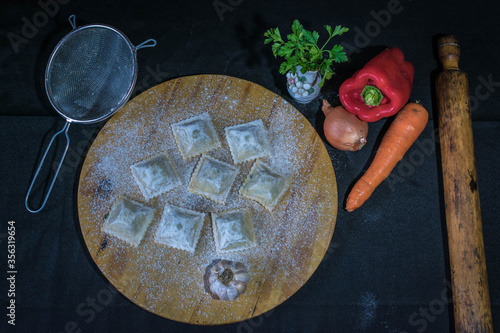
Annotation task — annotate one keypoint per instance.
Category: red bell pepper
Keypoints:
(381, 88)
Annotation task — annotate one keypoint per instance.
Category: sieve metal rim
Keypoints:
(126, 97)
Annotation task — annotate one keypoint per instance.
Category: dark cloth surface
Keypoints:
(387, 267)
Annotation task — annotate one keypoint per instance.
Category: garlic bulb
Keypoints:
(226, 279)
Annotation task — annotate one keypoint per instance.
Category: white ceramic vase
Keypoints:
(303, 87)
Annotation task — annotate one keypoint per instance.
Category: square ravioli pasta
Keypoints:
(248, 141)
(195, 136)
(128, 220)
(212, 179)
(233, 230)
(264, 185)
(179, 228)
(156, 175)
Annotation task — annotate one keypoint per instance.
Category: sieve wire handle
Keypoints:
(148, 43)
(65, 130)
(72, 21)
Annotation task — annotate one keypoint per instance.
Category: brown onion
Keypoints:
(343, 130)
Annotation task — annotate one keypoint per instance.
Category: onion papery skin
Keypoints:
(342, 129)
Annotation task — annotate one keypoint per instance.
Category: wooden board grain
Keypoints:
(292, 239)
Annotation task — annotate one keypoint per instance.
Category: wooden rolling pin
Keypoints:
(471, 299)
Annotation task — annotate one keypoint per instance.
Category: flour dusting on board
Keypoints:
(164, 274)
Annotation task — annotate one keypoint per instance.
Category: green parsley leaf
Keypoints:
(301, 49)
(329, 30)
(339, 30)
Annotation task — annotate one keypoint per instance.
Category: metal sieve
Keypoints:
(90, 75)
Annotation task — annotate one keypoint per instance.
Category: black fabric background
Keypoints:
(387, 266)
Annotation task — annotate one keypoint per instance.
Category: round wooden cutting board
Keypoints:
(291, 240)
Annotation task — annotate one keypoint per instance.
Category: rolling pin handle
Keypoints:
(449, 52)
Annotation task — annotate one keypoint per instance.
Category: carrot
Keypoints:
(402, 133)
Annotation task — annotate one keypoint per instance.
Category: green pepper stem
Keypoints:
(372, 96)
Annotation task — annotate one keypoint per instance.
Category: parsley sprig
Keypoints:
(301, 49)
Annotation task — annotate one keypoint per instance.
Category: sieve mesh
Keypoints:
(91, 73)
